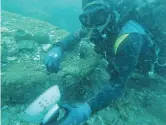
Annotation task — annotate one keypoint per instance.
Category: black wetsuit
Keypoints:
(134, 44)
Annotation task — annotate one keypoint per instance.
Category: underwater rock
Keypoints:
(4, 107)
(46, 47)
(26, 45)
(157, 106)
(5, 32)
(26, 77)
(12, 50)
(85, 49)
(4, 29)
(9, 46)
(11, 58)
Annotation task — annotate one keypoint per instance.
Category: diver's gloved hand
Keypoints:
(76, 115)
(52, 60)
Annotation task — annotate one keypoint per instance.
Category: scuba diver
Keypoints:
(122, 43)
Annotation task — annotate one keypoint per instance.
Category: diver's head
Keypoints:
(96, 13)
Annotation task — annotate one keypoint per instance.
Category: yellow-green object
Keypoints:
(119, 41)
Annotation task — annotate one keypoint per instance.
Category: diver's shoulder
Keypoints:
(130, 26)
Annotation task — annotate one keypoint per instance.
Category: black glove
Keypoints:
(52, 60)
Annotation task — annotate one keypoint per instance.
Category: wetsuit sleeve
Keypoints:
(69, 41)
(72, 39)
(125, 60)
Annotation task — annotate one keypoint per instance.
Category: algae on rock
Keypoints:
(25, 77)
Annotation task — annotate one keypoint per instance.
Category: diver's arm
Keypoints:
(53, 58)
(126, 60)
(69, 41)
(72, 39)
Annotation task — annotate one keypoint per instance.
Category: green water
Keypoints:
(62, 13)
(25, 41)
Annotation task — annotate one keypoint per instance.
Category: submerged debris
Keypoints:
(41, 38)
(22, 35)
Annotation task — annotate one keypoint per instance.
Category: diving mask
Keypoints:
(94, 15)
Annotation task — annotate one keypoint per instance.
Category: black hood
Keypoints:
(85, 2)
